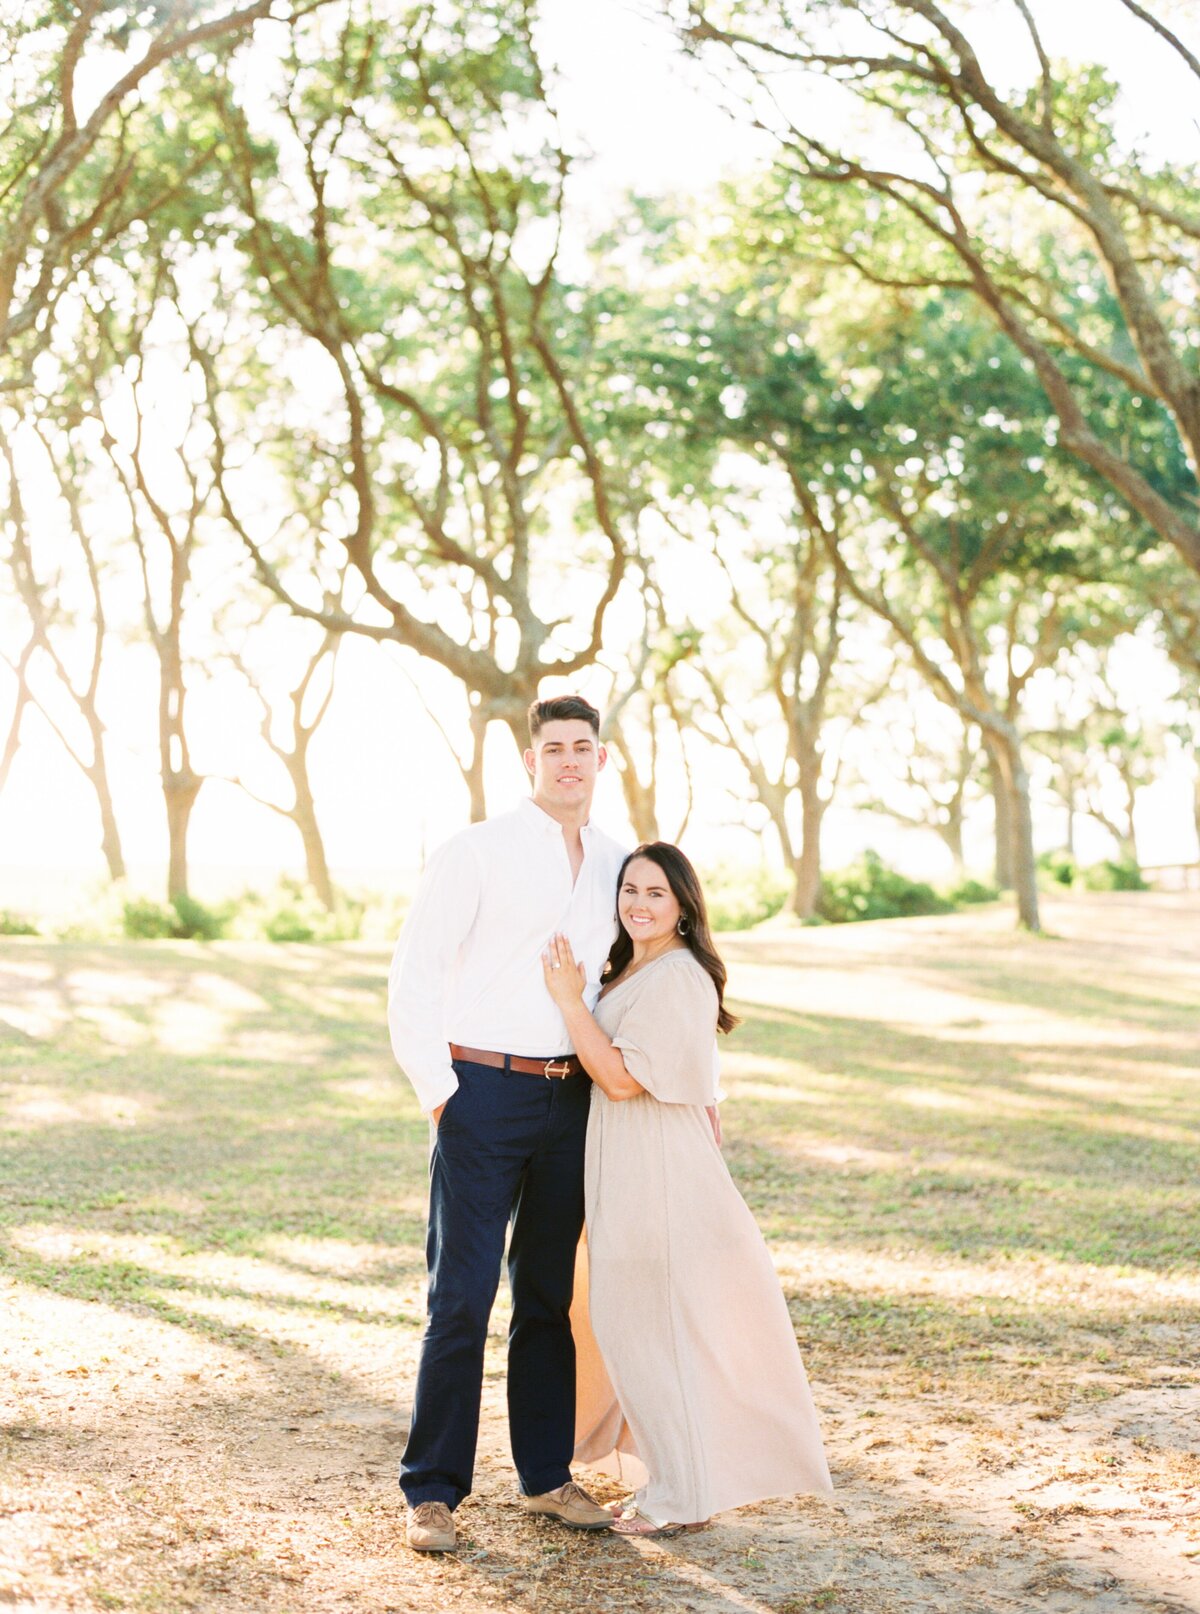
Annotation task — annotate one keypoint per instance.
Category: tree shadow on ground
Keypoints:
(272, 1175)
(933, 1144)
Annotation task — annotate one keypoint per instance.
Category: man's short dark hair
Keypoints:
(562, 709)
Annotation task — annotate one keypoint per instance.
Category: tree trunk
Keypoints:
(12, 743)
(1118, 831)
(110, 835)
(180, 791)
(473, 772)
(640, 794)
(806, 869)
(639, 803)
(1002, 799)
(951, 832)
(1129, 847)
(304, 815)
(1014, 782)
(517, 724)
(315, 862)
(180, 785)
(95, 771)
(303, 811)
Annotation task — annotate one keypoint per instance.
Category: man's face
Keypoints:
(563, 762)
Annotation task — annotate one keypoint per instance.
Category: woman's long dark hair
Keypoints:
(685, 885)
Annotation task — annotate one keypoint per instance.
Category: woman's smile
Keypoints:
(647, 907)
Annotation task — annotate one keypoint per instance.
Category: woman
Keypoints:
(697, 1377)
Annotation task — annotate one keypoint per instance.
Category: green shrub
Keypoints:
(303, 918)
(196, 922)
(1119, 875)
(968, 891)
(143, 920)
(868, 889)
(289, 925)
(1060, 866)
(290, 911)
(739, 895)
(182, 919)
(15, 924)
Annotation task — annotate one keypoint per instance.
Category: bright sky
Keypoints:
(387, 787)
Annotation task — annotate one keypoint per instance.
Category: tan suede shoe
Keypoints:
(572, 1505)
(431, 1528)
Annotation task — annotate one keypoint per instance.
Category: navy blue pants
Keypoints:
(509, 1147)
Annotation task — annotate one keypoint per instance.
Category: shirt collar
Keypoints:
(547, 824)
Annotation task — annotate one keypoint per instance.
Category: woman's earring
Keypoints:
(683, 927)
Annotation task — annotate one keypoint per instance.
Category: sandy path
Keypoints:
(148, 1470)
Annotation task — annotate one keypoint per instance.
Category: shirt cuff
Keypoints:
(437, 1092)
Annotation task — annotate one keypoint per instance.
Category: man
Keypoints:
(487, 1051)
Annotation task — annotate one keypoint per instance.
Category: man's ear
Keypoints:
(529, 758)
(601, 757)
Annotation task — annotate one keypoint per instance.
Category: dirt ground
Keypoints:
(234, 1447)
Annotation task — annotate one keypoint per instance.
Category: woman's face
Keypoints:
(646, 905)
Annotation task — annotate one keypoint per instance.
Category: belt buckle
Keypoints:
(549, 1068)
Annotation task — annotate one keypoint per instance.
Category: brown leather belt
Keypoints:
(564, 1065)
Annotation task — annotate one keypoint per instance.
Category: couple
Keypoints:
(689, 1382)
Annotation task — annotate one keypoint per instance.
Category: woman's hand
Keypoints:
(564, 977)
(565, 981)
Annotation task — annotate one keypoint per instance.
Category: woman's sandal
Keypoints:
(630, 1522)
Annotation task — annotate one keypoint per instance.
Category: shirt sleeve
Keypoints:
(423, 964)
(665, 1035)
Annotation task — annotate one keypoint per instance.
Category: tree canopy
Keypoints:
(300, 317)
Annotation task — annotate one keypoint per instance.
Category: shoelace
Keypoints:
(575, 1493)
(424, 1511)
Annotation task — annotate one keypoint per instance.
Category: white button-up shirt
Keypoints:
(468, 965)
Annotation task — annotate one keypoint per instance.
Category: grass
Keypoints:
(992, 1167)
(218, 1117)
(975, 1157)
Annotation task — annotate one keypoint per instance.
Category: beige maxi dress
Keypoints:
(690, 1383)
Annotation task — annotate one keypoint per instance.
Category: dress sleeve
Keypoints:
(665, 1034)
